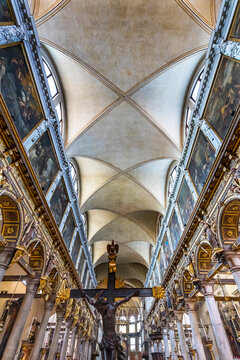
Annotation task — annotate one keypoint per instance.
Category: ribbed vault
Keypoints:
(124, 68)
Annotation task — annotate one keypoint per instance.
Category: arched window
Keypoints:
(55, 89)
(191, 99)
(172, 178)
(74, 176)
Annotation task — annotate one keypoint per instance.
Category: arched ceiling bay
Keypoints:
(125, 68)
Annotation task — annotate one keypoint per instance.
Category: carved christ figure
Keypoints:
(110, 345)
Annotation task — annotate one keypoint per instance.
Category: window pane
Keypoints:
(132, 344)
(46, 68)
(123, 329)
(132, 328)
(138, 326)
(195, 90)
(52, 86)
(140, 343)
(59, 111)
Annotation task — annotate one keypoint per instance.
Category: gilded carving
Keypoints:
(64, 293)
(158, 292)
(20, 252)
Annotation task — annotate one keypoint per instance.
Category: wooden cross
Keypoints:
(111, 292)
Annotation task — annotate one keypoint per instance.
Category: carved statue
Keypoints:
(110, 345)
(63, 293)
(29, 232)
(211, 235)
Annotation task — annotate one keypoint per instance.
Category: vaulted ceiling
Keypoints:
(125, 68)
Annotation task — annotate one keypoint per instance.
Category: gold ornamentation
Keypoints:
(112, 265)
(63, 293)
(158, 292)
(20, 252)
(45, 287)
(69, 308)
(76, 314)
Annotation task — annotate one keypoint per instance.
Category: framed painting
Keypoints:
(44, 161)
(175, 229)
(68, 229)
(201, 161)
(18, 90)
(185, 202)
(76, 249)
(81, 262)
(224, 96)
(234, 33)
(6, 15)
(59, 201)
(166, 250)
(161, 266)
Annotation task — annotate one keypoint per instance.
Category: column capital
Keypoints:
(6, 255)
(207, 288)
(171, 325)
(69, 322)
(60, 311)
(165, 331)
(190, 304)
(178, 315)
(233, 260)
(50, 303)
(32, 285)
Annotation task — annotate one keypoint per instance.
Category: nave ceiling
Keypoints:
(125, 68)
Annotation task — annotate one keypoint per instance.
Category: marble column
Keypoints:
(16, 333)
(233, 260)
(73, 340)
(78, 347)
(182, 340)
(6, 255)
(172, 341)
(217, 325)
(197, 340)
(60, 315)
(66, 338)
(48, 307)
(165, 340)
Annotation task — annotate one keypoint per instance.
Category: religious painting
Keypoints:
(175, 230)
(44, 161)
(224, 96)
(201, 161)
(18, 90)
(75, 249)
(161, 266)
(59, 201)
(68, 229)
(6, 17)
(166, 250)
(81, 262)
(185, 202)
(235, 28)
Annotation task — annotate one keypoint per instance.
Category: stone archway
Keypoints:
(229, 223)
(204, 254)
(10, 219)
(10, 230)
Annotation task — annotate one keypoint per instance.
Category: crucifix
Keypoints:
(104, 301)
